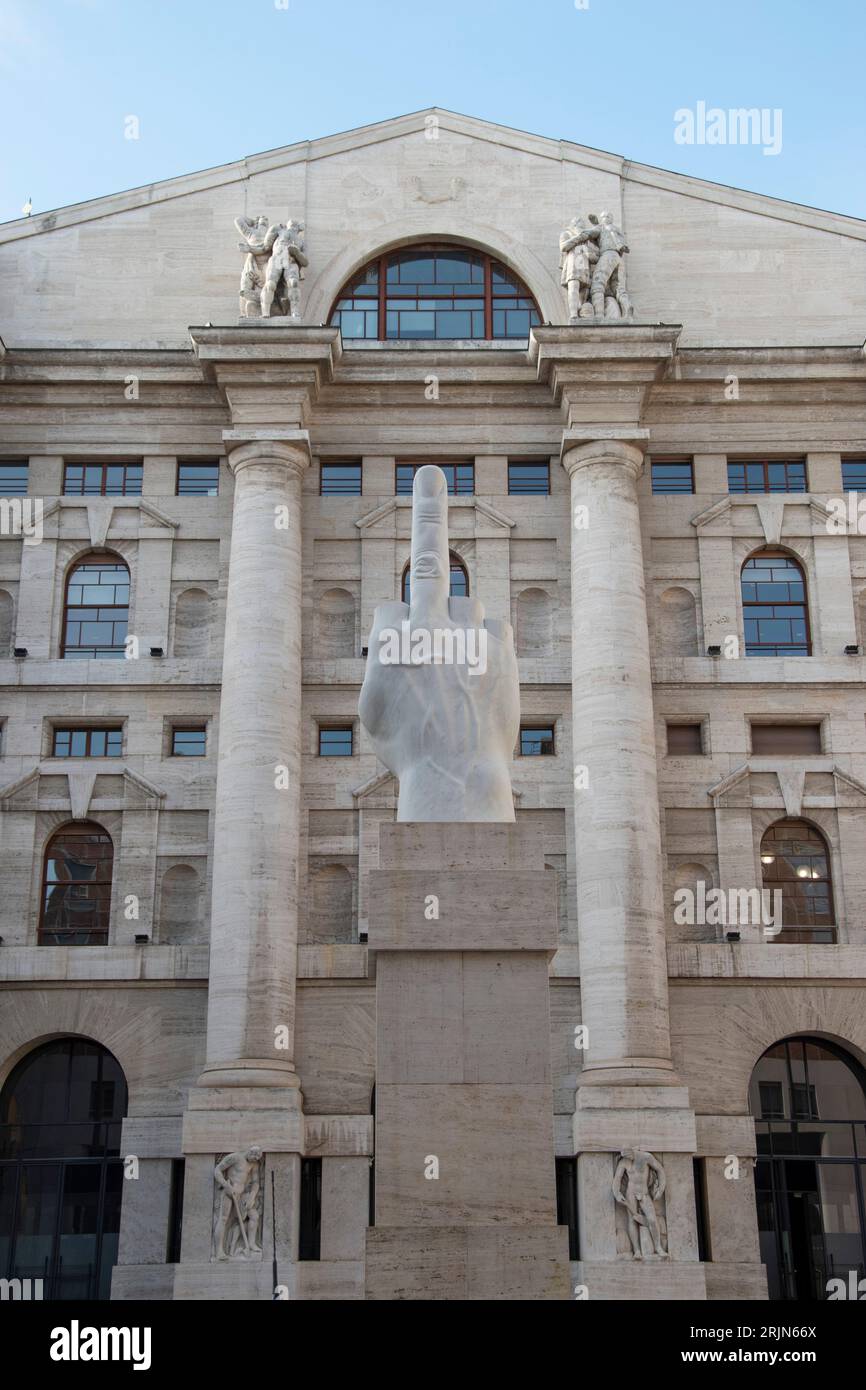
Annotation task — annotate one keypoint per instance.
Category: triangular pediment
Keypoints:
(61, 784)
(437, 184)
(384, 517)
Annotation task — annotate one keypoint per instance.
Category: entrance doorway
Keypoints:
(808, 1099)
(61, 1172)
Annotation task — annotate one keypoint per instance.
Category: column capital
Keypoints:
(287, 448)
(583, 447)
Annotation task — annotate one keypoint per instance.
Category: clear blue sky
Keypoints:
(213, 80)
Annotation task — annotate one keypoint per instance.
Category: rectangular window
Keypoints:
(685, 740)
(702, 1220)
(767, 475)
(528, 477)
(790, 740)
(854, 475)
(460, 477)
(175, 1211)
(102, 479)
(13, 477)
(336, 741)
(536, 741)
(189, 742)
(566, 1202)
(198, 479)
(340, 479)
(88, 743)
(310, 1243)
(672, 475)
(772, 1098)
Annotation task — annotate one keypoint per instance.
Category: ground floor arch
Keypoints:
(61, 1172)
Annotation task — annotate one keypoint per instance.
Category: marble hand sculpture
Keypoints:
(441, 696)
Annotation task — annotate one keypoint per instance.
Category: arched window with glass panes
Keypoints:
(435, 291)
(775, 605)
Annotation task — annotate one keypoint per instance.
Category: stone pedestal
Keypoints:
(463, 923)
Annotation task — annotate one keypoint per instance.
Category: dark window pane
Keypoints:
(335, 742)
(854, 475)
(529, 478)
(684, 739)
(198, 479)
(672, 477)
(767, 475)
(340, 480)
(786, 739)
(536, 740)
(13, 478)
(189, 743)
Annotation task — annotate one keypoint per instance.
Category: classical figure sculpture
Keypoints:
(441, 697)
(608, 287)
(273, 268)
(638, 1185)
(238, 1205)
(578, 253)
(593, 270)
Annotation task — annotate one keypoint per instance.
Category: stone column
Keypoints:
(253, 961)
(623, 968)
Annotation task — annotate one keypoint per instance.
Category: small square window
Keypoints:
(685, 740)
(672, 475)
(854, 475)
(536, 741)
(13, 477)
(336, 741)
(529, 478)
(189, 742)
(340, 479)
(198, 479)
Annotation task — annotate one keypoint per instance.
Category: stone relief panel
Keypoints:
(639, 1184)
(238, 1205)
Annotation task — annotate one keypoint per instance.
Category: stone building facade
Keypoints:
(196, 840)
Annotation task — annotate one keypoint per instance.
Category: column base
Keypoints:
(662, 1281)
(467, 1263)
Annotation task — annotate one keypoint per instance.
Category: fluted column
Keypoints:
(623, 970)
(253, 961)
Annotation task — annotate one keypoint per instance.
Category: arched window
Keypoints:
(434, 291)
(796, 862)
(775, 610)
(459, 581)
(96, 613)
(61, 1174)
(807, 1099)
(76, 886)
